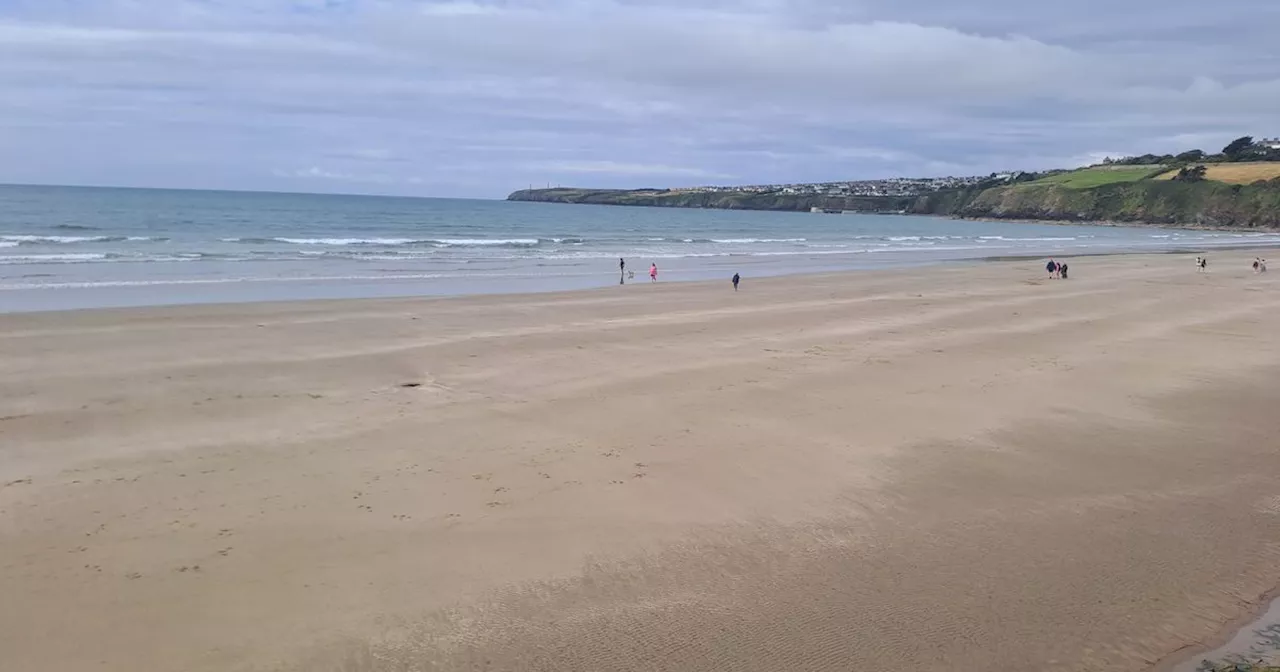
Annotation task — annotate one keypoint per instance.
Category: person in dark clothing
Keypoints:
(1062, 271)
(1051, 267)
(736, 279)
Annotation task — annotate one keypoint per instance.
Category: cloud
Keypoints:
(616, 168)
(317, 173)
(477, 98)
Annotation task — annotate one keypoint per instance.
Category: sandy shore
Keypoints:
(962, 468)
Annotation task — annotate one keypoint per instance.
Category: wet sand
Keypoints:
(969, 467)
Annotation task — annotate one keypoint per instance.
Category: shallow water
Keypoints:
(1257, 642)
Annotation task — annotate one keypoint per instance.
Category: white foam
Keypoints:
(483, 242)
(745, 241)
(342, 241)
(1024, 240)
(9, 259)
(53, 239)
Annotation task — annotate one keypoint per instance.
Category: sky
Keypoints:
(476, 98)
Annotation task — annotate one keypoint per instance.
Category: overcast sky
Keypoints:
(431, 98)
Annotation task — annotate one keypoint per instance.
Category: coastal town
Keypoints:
(897, 186)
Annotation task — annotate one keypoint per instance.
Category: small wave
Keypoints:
(485, 242)
(1025, 240)
(903, 239)
(10, 259)
(8, 243)
(33, 239)
(344, 241)
(747, 241)
(74, 227)
(26, 239)
(397, 242)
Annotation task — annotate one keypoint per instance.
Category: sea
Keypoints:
(75, 247)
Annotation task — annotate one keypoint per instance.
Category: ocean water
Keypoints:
(66, 247)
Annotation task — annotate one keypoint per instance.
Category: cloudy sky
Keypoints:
(479, 97)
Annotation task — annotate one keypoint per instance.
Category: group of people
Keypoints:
(1259, 265)
(1056, 270)
(653, 274)
(1202, 264)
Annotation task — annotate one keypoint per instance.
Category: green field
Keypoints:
(1087, 178)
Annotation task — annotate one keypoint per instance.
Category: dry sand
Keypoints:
(962, 468)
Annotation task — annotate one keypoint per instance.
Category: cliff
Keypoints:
(1209, 204)
(1148, 201)
(728, 200)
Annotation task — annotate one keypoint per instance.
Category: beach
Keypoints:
(962, 467)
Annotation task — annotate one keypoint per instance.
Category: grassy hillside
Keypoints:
(1215, 204)
(1232, 196)
(1235, 173)
(1087, 178)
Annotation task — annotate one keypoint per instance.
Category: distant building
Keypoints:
(1270, 143)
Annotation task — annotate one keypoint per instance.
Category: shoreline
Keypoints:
(533, 473)
(1189, 657)
(538, 291)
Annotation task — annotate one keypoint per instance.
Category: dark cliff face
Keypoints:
(728, 200)
(1146, 202)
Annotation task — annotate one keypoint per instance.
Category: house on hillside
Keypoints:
(1269, 143)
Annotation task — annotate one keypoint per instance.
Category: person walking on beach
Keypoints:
(1062, 271)
(622, 271)
(736, 279)
(1203, 263)
(653, 272)
(1051, 267)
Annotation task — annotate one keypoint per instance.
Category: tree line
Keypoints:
(1241, 149)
